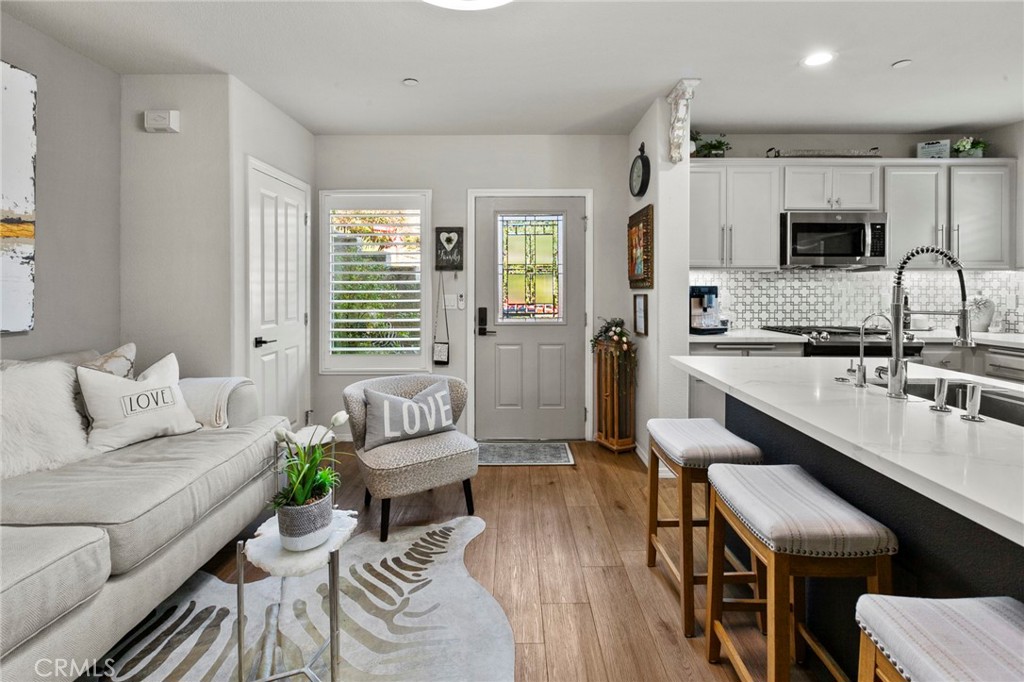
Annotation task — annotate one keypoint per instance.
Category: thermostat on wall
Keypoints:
(162, 121)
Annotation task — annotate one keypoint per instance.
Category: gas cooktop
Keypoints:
(840, 340)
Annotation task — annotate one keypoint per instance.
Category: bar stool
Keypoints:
(688, 447)
(799, 529)
(903, 638)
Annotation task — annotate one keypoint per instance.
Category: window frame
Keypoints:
(371, 363)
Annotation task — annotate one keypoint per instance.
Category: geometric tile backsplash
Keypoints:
(754, 298)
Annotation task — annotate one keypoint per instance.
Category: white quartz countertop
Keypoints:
(977, 470)
(747, 336)
(980, 338)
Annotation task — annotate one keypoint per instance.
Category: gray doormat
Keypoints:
(525, 454)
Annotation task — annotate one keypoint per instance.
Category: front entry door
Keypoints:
(531, 338)
(278, 315)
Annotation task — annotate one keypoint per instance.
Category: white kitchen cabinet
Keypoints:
(734, 217)
(916, 200)
(809, 188)
(944, 356)
(979, 211)
(1003, 363)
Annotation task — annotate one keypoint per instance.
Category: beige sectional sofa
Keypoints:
(89, 549)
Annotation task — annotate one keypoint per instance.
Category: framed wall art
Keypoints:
(640, 248)
(448, 248)
(18, 208)
(640, 314)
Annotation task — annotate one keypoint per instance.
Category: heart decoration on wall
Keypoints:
(449, 239)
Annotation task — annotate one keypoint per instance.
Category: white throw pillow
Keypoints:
(390, 418)
(124, 411)
(41, 429)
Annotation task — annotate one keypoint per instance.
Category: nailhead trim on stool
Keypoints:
(928, 640)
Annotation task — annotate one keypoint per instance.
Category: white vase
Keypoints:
(308, 526)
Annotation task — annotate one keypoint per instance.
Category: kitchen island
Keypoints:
(952, 491)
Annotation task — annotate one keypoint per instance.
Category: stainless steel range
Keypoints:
(845, 341)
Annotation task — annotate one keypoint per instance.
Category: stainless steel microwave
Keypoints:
(833, 239)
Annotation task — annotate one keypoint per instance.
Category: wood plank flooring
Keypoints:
(563, 553)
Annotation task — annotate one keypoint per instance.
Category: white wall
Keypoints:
(259, 129)
(77, 301)
(175, 217)
(452, 165)
(662, 389)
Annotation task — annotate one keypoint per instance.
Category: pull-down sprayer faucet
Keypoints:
(897, 363)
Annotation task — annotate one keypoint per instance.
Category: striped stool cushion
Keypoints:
(792, 513)
(947, 639)
(699, 443)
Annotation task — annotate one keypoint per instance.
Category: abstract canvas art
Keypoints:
(18, 208)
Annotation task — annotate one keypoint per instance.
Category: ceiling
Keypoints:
(541, 67)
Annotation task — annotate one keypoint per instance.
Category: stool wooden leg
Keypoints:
(866, 662)
(652, 506)
(685, 500)
(881, 581)
(778, 618)
(799, 646)
(716, 572)
(760, 588)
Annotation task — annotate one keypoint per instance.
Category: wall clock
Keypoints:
(640, 173)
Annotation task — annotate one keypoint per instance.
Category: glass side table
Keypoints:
(265, 552)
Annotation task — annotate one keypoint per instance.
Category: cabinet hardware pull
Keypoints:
(745, 346)
(732, 243)
(839, 202)
(724, 258)
(1012, 369)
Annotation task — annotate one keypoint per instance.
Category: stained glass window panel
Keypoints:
(530, 267)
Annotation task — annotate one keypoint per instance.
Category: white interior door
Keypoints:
(278, 293)
(530, 279)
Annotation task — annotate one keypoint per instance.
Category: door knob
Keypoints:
(259, 342)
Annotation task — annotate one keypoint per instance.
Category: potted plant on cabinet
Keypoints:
(970, 147)
(305, 504)
(715, 147)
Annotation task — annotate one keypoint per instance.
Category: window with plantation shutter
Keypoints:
(375, 267)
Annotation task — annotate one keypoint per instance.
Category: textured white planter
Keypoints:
(307, 526)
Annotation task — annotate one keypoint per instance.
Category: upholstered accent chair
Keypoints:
(411, 466)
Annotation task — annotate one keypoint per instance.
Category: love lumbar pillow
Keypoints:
(126, 411)
(391, 418)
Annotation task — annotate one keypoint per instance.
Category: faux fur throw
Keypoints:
(40, 427)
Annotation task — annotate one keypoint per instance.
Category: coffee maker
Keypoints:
(705, 311)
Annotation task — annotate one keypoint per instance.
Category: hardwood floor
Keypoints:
(563, 553)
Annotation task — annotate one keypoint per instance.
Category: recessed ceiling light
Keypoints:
(410, 82)
(902, 63)
(818, 59)
(468, 4)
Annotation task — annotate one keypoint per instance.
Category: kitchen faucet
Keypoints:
(861, 371)
(897, 363)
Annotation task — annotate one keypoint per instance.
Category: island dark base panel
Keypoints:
(942, 554)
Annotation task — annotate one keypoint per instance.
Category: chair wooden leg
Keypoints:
(866, 662)
(881, 581)
(685, 503)
(652, 506)
(760, 589)
(798, 587)
(778, 618)
(467, 488)
(716, 572)
(385, 517)
(367, 497)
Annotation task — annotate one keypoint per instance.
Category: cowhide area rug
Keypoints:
(410, 611)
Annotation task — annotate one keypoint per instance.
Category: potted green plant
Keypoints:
(970, 147)
(695, 139)
(305, 503)
(716, 147)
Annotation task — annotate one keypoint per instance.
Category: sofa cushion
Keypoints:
(40, 426)
(45, 573)
(146, 494)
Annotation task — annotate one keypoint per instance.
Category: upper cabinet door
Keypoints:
(808, 188)
(980, 215)
(753, 217)
(707, 217)
(915, 199)
(856, 188)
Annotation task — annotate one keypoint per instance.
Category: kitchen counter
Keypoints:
(980, 338)
(747, 336)
(976, 470)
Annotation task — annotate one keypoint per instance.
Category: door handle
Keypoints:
(259, 342)
(481, 323)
